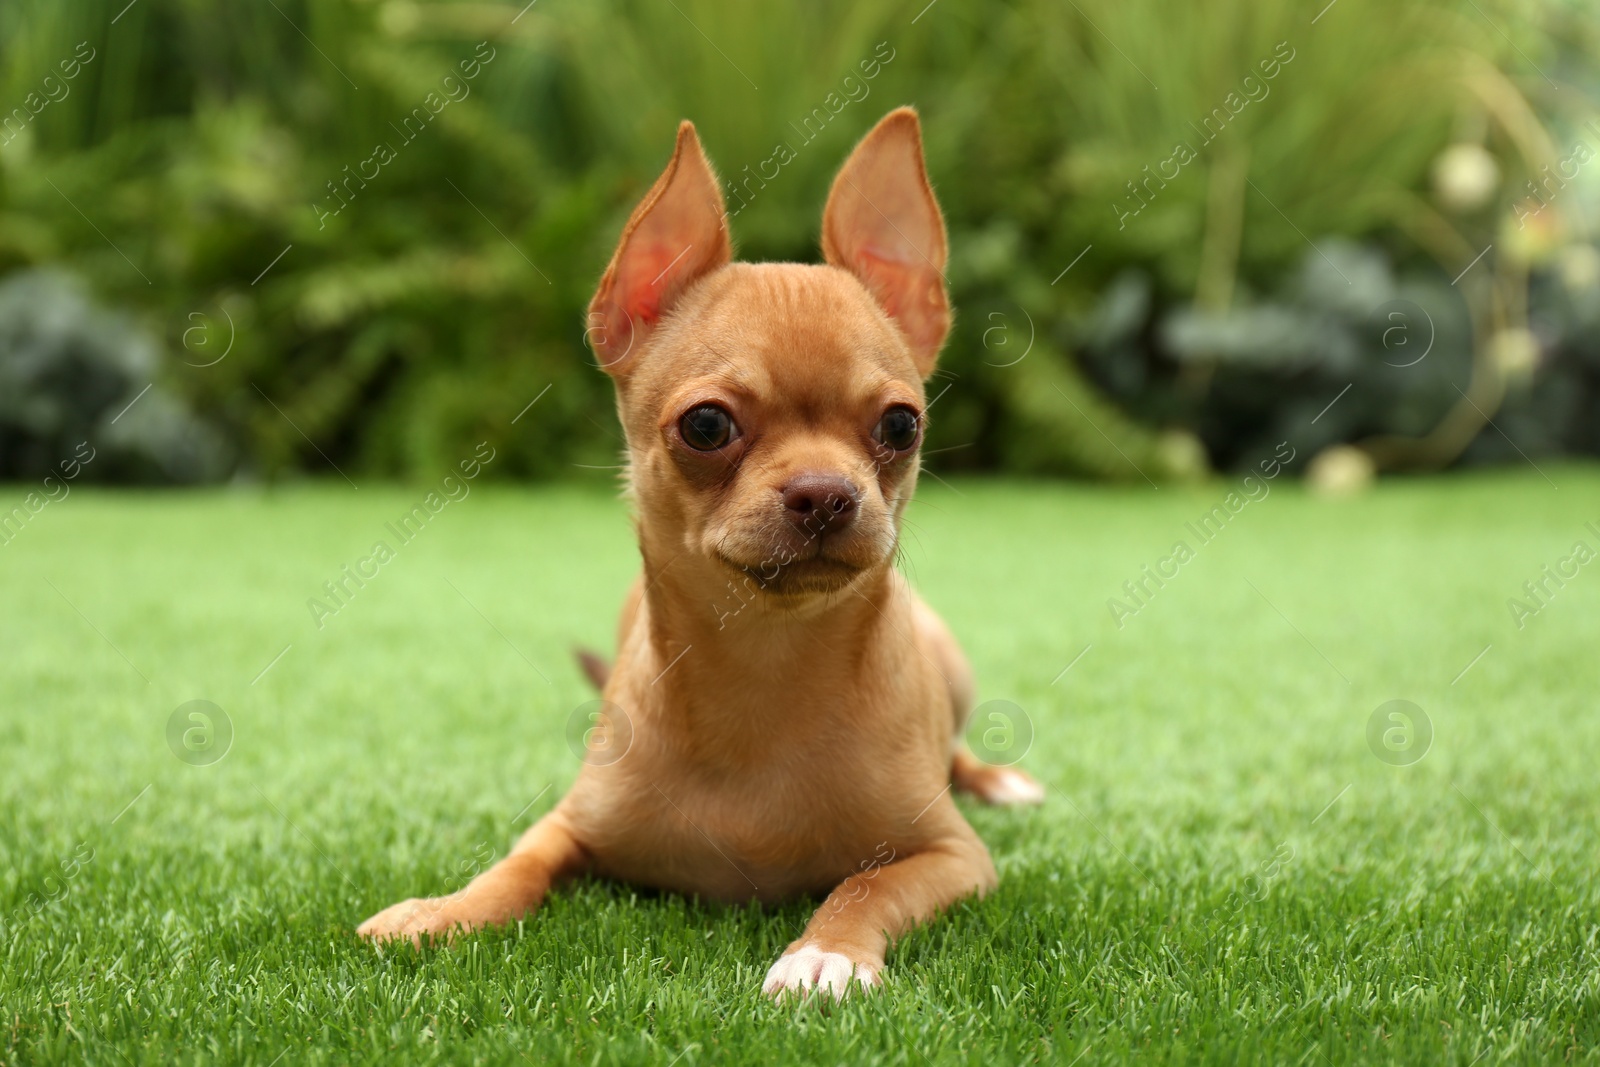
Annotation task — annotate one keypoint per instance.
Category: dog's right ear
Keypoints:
(677, 235)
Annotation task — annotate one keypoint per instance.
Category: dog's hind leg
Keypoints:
(991, 784)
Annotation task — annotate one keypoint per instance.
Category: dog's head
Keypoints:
(774, 412)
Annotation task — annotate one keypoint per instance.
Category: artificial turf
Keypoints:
(1224, 870)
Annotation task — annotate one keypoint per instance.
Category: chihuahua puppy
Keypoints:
(785, 713)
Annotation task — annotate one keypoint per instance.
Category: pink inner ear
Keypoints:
(646, 277)
(911, 294)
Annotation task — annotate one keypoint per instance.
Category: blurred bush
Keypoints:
(1128, 309)
(67, 368)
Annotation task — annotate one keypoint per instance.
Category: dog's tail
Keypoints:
(594, 667)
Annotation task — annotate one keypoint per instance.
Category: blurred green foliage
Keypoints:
(191, 167)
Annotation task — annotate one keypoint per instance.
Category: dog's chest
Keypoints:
(770, 831)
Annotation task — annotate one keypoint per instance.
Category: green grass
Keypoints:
(1442, 912)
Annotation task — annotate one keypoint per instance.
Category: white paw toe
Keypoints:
(808, 968)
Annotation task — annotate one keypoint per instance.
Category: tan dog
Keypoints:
(791, 710)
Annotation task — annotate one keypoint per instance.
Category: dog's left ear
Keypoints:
(883, 225)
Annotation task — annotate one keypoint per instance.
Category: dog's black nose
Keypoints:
(815, 502)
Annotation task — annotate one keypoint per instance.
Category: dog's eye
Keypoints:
(898, 428)
(706, 428)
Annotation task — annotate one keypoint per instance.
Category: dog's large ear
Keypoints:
(883, 225)
(676, 235)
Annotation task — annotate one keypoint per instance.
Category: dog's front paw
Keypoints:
(801, 970)
(412, 920)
